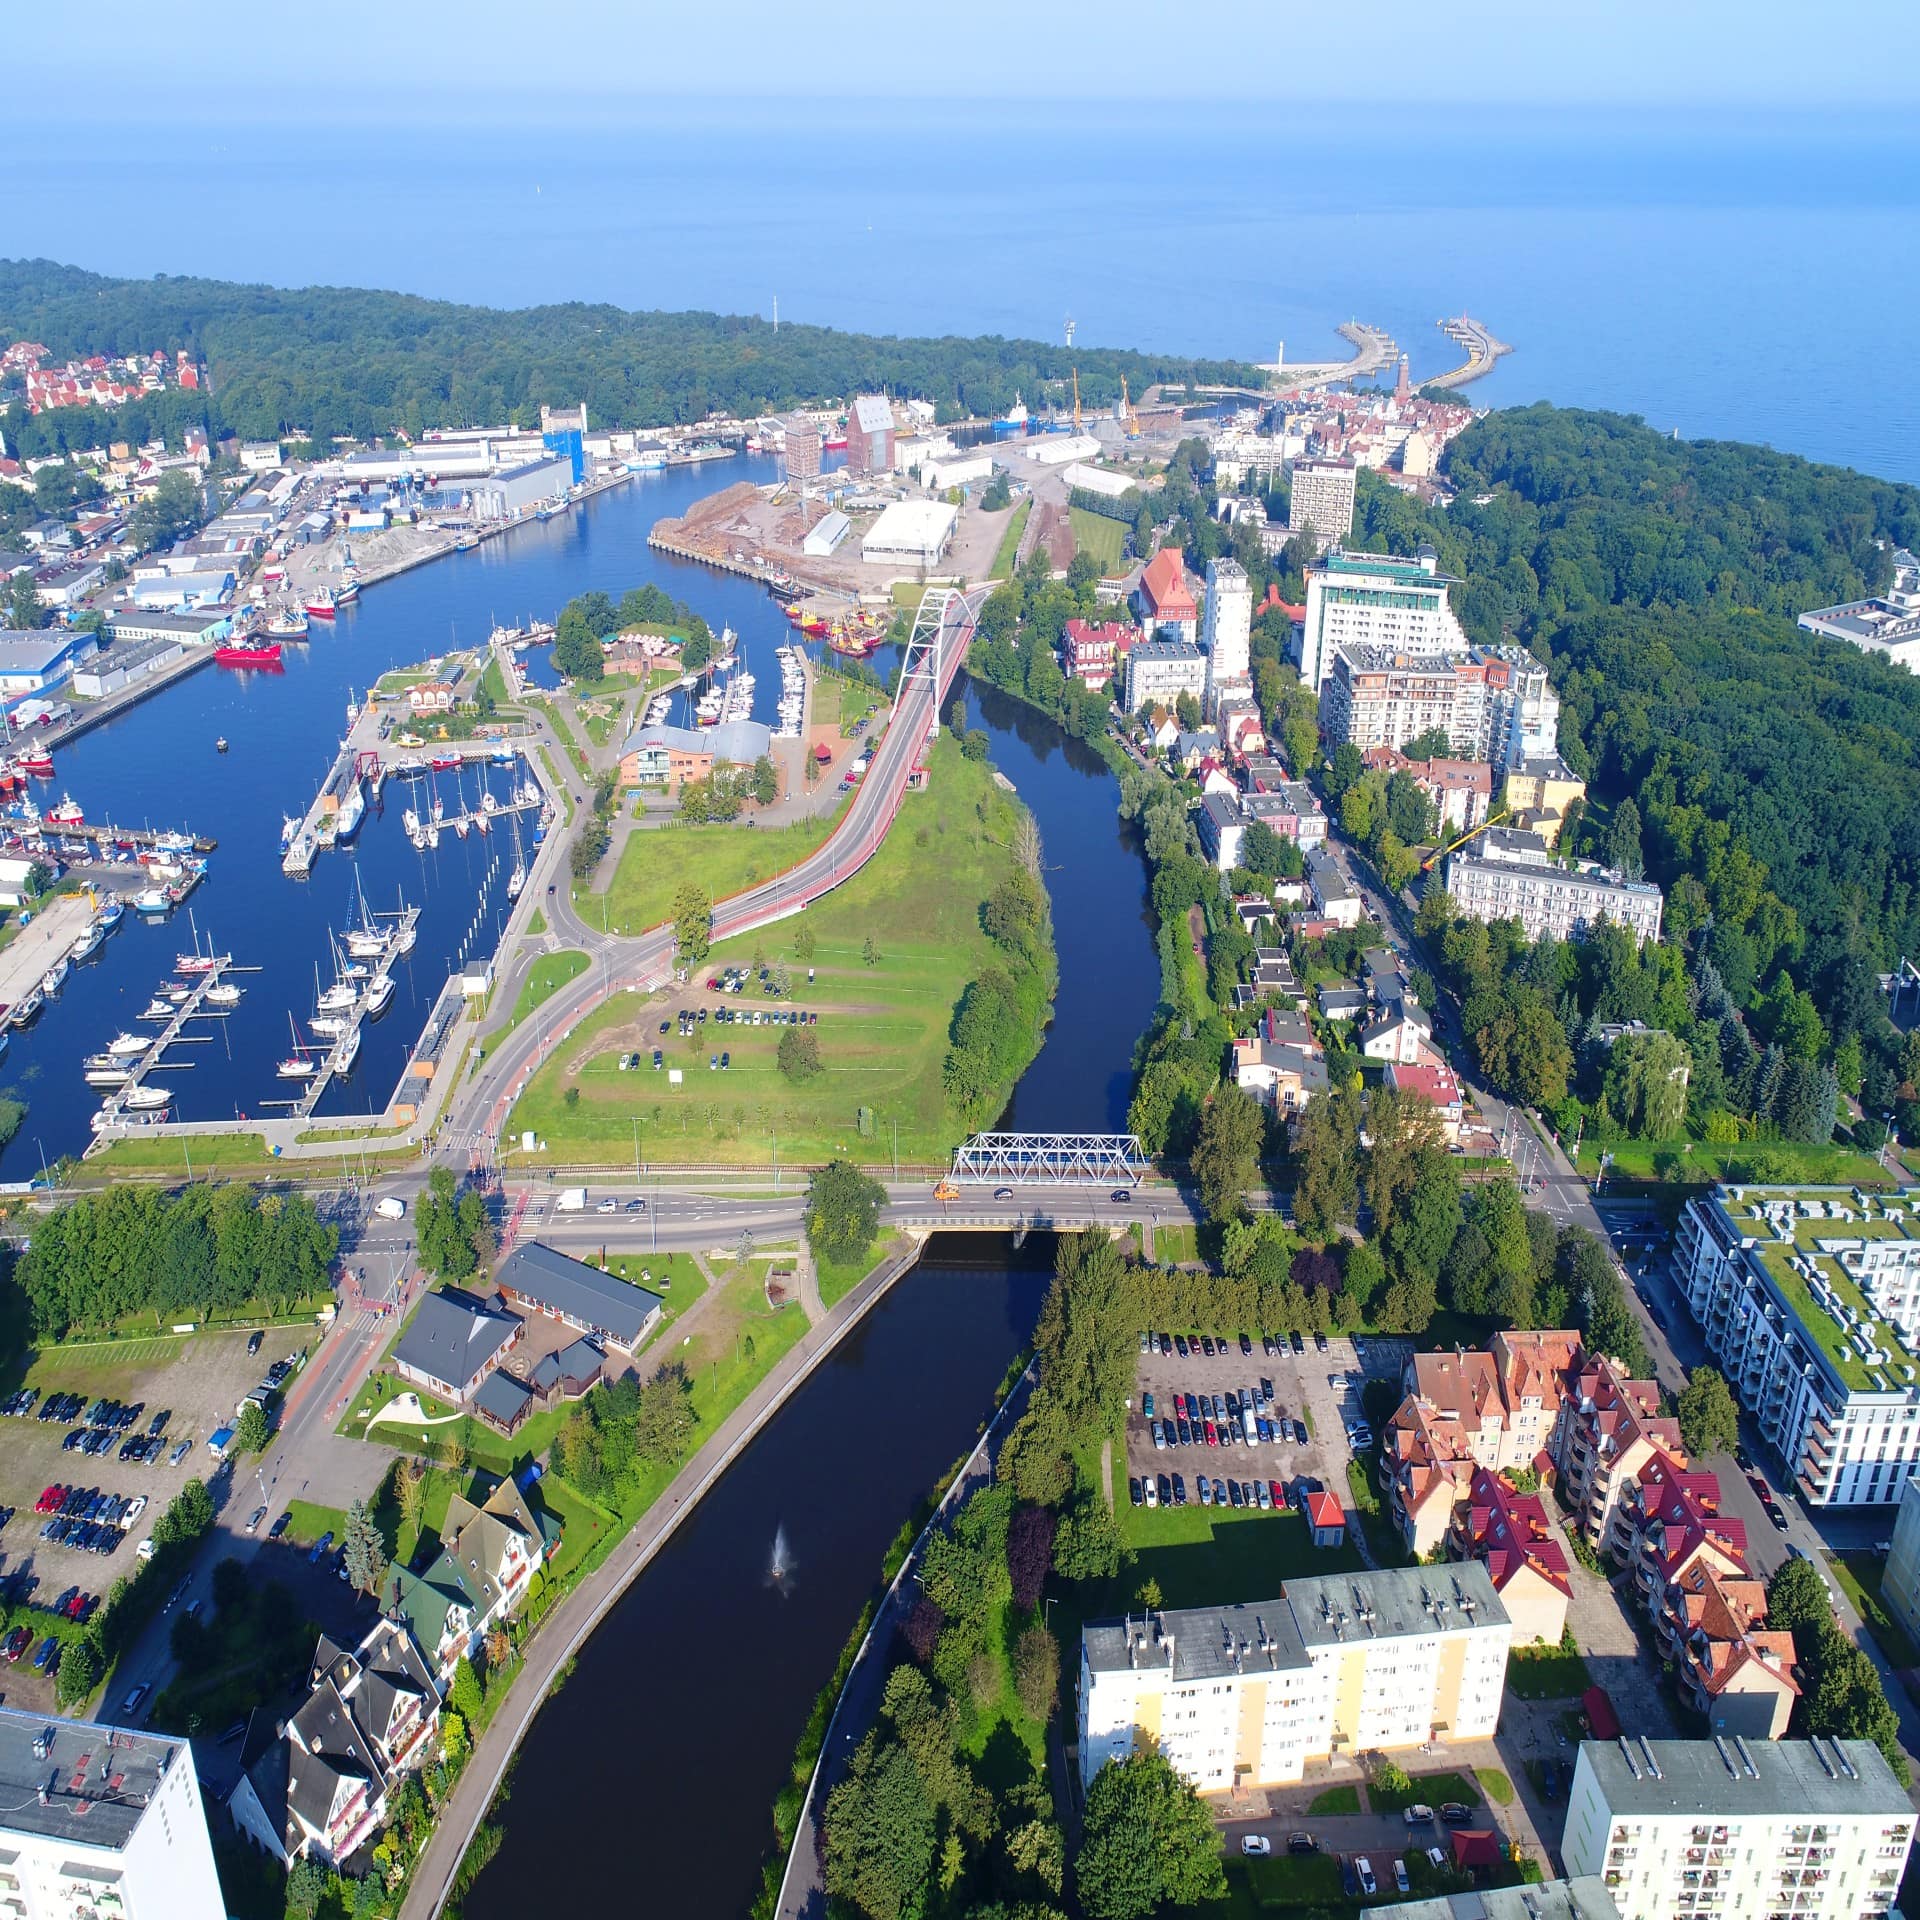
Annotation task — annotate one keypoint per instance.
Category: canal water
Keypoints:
(667, 1746)
(156, 765)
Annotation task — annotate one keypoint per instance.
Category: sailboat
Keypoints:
(297, 1065)
(517, 879)
(365, 941)
(347, 1052)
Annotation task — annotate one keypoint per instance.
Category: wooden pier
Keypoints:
(114, 1110)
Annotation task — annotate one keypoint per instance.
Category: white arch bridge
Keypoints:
(1050, 1160)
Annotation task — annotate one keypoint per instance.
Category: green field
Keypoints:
(213, 1153)
(1010, 540)
(307, 1522)
(882, 1031)
(1767, 1162)
(724, 860)
(545, 978)
(1104, 539)
(839, 701)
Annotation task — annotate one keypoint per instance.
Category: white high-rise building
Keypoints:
(1247, 1695)
(1226, 630)
(1373, 599)
(1815, 1829)
(1320, 499)
(101, 1820)
(1810, 1300)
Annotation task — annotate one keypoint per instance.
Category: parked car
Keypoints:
(1418, 1815)
(132, 1703)
(1453, 1814)
(319, 1548)
(1255, 1845)
(259, 1514)
(1302, 1843)
(1363, 1872)
(279, 1526)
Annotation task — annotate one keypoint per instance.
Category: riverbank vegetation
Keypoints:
(321, 361)
(908, 975)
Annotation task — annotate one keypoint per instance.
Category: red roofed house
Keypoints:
(1426, 1468)
(1095, 649)
(1510, 1535)
(1433, 1080)
(1667, 1522)
(1602, 1722)
(1164, 601)
(1609, 1428)
(1732, 1671)
(1327, 1519)
(1478, 1850)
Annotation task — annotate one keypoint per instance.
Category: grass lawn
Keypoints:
(1010, 540)
(1697, 1162)
(545, 978)
(1859, 1574)
(1494, 1784)
(1546, 1673)
(837, 1279)
(1104, 539)
(557, 784)
(882, 1031)
(839, 701)
(1426, 1789)
(1174, 1244)
(307, 1521)
(537, 922)
(214, 1153)
(724, 860)
(1336, 1800)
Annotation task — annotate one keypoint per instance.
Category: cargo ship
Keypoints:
(248, 653)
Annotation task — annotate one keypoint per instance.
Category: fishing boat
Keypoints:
(89, 942)
(379, 992)
(223, 994)
(36, 761)
(103, 1070)
(347, 1052)
(146, 1099)
(348, 592)
(128, 1044)
(152, 900)
(68, 813)
(248, 653)
(110, 915)
(288, 623)
(320, 605)
(465, 543)
(443, 762)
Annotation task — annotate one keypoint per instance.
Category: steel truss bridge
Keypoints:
(1051, 1159)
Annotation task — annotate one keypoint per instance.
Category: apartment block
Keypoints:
(1609, 1428)
(1162, 670)
(1900, 1583)
(1812, 1829)
(1320, 500)
(1810, 1300)
(1733, 1672)
(1512, 879)
(1510, 1535)
(1494, 704)
(101, 1820)
(1226, 631)
(1364, 599)
(1247, 1695)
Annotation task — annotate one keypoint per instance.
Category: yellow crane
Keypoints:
(1128, 418)
(1076, 399)
(1473, 833)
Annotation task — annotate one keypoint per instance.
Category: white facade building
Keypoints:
(101, 1820)
(917, 532)
(1514, 880)
(1162, 670)
(1362, 598)
(1248, 1695)
(1807, 1296)
(1321, 500)
(1226, 630)
(826, 534)
(1816, 1829)
(1888, 624)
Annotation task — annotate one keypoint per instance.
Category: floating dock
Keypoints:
(346, 1044)
(114, 1110)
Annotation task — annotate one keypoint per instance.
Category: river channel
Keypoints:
(654, 1769)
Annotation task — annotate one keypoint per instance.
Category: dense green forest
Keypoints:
(1771, 774)
(344, 360)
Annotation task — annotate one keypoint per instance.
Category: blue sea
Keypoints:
(1743, 278)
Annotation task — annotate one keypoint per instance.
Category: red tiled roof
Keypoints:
(1477, 1847)
(1601, 1717)
(1324, 1510)
(1165, 585)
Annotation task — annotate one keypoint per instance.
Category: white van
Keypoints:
(391, 1208)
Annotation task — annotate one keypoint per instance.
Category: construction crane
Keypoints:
(1473, 833)
(1128, 418)
(1076, 399)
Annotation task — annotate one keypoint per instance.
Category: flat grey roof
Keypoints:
(1694, 1778)
(580, 1292)
(1402, 1600)
(98, 1779)
(1586, 1898)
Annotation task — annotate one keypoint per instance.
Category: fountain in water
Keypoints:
(780, 1565)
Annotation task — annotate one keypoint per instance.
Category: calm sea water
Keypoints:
(1737, 279)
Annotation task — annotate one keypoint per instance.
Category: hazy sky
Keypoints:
(348, 59)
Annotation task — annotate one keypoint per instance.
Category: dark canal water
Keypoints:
(670, 1741)
(156, 765)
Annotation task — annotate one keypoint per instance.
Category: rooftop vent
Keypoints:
(1626, 1753)
(1746, 1757)
(1653, 1765)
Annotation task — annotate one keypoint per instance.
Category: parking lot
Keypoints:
(1268, 1381)
(196, 1380)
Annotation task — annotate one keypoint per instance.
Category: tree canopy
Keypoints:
(1149, 1842)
